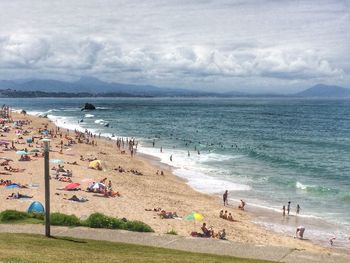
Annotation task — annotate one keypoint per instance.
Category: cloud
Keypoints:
(213, 44)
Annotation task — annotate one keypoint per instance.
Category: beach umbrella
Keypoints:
(34, 150)
(11, 186)
(98, 186)
(95, 164)
(21, 153)
(56, 161)
(71, 186)
(4, 142)
(194, 217)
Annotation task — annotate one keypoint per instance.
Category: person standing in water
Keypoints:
(224, 198)
(288, 207)
(298, 209)
(188, 153)
(284, 210)
(171, 158)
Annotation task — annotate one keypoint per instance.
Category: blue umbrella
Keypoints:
(56, 161)
(21, 153)
(11, 186)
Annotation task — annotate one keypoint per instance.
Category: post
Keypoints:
(47, 187)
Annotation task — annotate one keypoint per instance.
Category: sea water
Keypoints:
(265, 151)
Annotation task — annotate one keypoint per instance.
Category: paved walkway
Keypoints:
(202, 245)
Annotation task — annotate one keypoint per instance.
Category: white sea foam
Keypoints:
(89, 115)
(301, 186)
(100, 121)
(192, 169)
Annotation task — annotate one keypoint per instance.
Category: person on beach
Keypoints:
(171, 158)
(230, 217)
(224, 198)
(331, 241)
(221, 213)
(298, 209)
(242, 205)
(161, 149)
(299, 233)
(225, 215)
(288, 207)
(284, 210)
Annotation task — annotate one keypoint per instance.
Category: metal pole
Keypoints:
(47, 190)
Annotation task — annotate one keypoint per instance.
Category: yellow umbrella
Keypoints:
(194, 216)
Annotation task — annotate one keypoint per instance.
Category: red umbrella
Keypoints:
(71, 186)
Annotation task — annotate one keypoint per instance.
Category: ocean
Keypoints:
(265, 151)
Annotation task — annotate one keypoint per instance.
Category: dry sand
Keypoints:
(137, 192)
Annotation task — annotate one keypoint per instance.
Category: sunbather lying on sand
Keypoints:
(77, 199)
(167, 215)
(18, 196)
(156, 209)
(14, 170)
(73, 163)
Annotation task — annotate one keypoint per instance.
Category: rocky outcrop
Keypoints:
(88, 106)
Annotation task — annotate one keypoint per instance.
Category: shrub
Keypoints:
(98, 220)
(171, 232)
(59, 219)
(40, 216)
(137, 226)
(11, 215)
(117, 223)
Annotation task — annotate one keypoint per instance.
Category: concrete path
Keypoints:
(211, 246)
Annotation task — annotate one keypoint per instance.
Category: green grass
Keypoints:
(36, 248)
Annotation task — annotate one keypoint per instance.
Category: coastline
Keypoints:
(169, 192)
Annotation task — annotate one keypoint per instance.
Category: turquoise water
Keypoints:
(267, 151)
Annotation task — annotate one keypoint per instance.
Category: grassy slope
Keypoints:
(36, 248)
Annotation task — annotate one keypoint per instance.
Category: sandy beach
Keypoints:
(138, 193)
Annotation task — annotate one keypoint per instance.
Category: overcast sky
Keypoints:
(261, 45)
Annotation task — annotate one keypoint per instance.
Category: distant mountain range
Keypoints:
(93, 87)
(325, 91)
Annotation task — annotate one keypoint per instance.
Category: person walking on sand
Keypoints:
(224, 198)
(298, 209)
(288, 207)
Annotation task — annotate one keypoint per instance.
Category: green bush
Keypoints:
(12, 215)
(117, 223)
(137, 226)
(98, 220)
(40, 216)
(59, 219)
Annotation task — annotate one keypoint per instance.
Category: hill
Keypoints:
(95, 87)
(325, 91)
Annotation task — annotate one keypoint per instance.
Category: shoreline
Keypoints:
(267, 236)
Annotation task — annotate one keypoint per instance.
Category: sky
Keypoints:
(239, 45)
